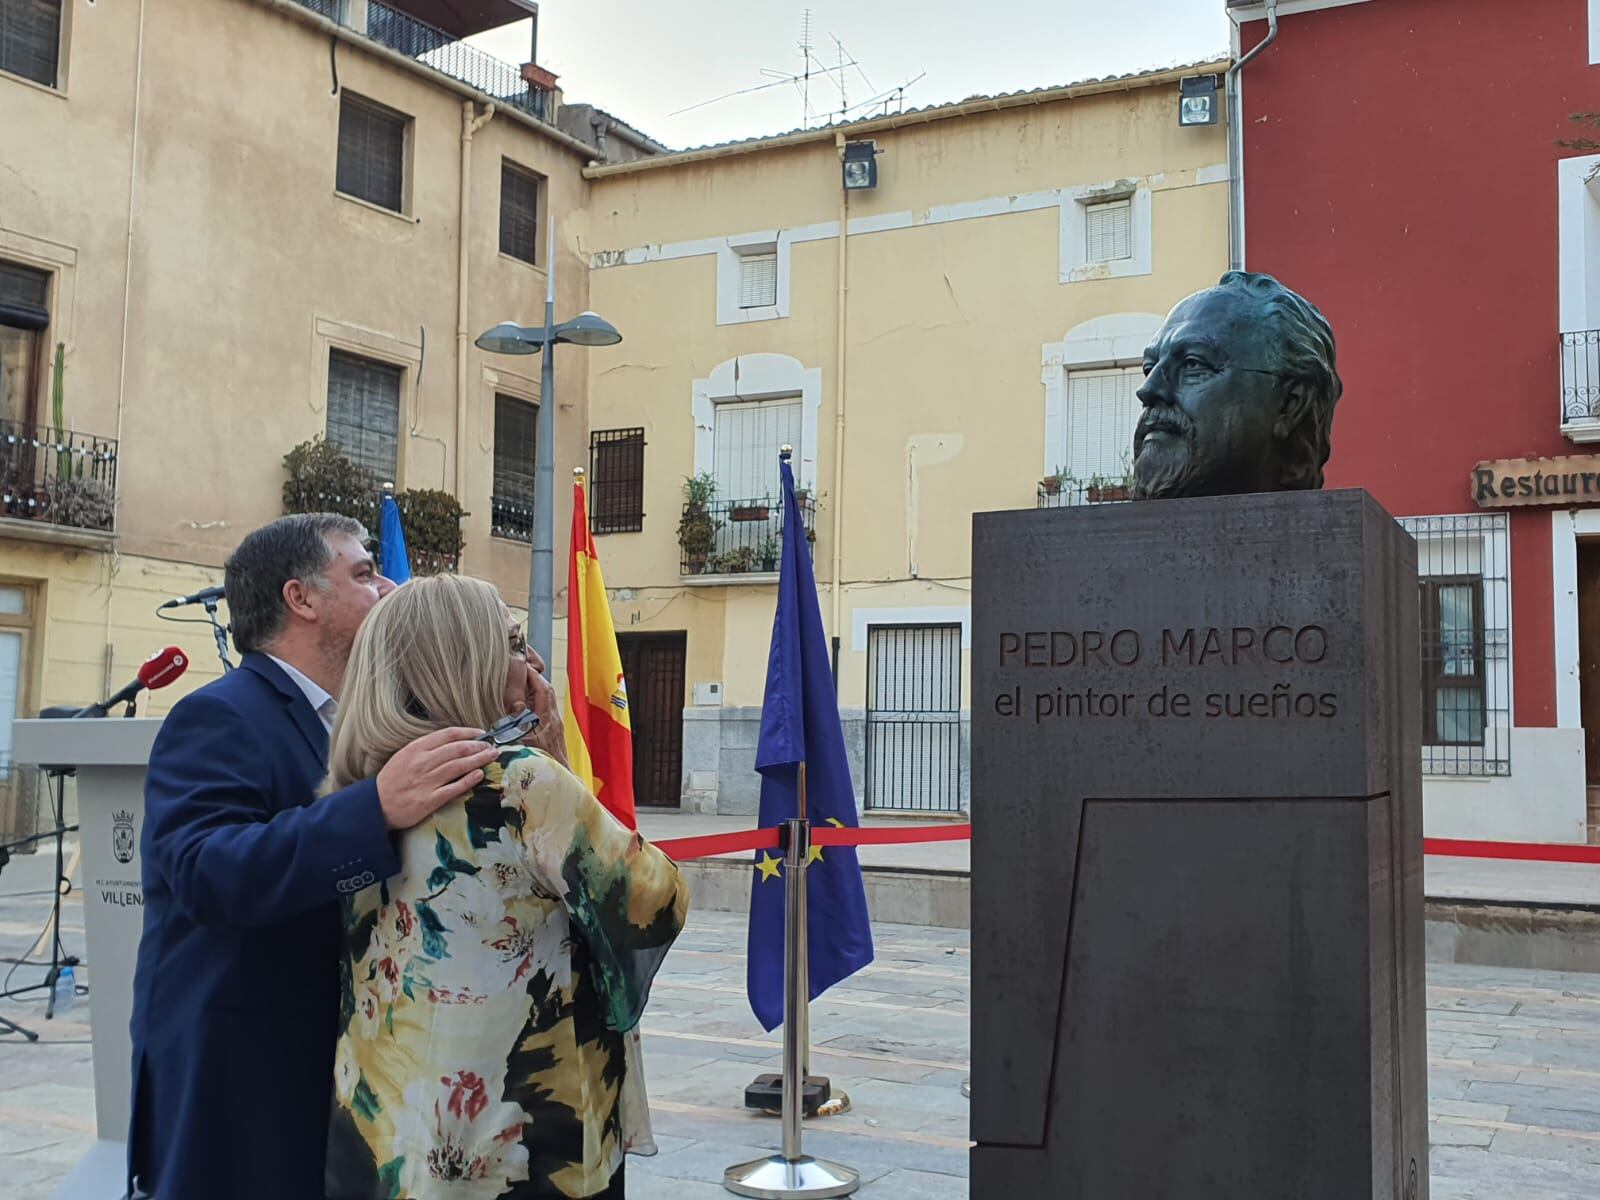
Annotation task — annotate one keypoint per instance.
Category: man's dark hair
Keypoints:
(1306, 342)
(294, 547)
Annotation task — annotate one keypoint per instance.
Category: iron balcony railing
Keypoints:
(1070, 493)
(435, 48)
(1580, 376)
(57, 477)
(511, 517)
(737, 537)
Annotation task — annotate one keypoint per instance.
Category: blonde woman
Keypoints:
(489, 990)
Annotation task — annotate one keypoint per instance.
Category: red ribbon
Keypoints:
(1522, 851)
(683, 849)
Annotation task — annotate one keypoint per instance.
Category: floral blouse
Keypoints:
(490, 994)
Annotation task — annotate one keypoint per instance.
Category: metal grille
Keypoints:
(653, 668)
(616, 480)
(372, 152)
(30, 39)
(914, 750)
(519, 212)
(364, 412)
(516, 440)
(1464, 590)
(1580, 376)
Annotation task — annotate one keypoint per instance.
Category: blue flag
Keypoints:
(392, 543)
(800, 723)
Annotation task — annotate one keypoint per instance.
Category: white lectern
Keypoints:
(110, 756)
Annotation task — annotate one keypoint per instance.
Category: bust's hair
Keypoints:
(1306, 344)
(430, 654)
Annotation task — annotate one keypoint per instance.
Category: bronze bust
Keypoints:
(1238, 395)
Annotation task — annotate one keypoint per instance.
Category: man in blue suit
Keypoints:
(236, 990)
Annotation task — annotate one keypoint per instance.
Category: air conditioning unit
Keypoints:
(708, 693)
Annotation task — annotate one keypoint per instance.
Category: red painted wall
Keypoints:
(1400, 171)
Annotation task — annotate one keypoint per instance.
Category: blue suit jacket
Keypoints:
(236, 991)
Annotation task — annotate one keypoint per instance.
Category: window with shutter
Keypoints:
(24, 294)
(30, 39)
(748, 437)
(372, 152)
(1102, 410)
(516, 433)
(616, 480)
(364, 412)
(1110, 230)
(758, 280)
(520, 193)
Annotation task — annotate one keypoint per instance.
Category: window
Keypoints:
(520, 194)
(758, 280)
(24, 294)
(616, 480)
(1101, 411)
(372, 152)
(749, 435)
(1109, 228)
(1464, 593)
(30, 39)
(364, 412)
(516, 434)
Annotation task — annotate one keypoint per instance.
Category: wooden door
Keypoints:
(653, 666)
(1589, 654)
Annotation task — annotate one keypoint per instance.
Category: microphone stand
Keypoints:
(221, 634)
(59, 958)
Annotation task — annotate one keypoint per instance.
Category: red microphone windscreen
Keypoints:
(162, 667)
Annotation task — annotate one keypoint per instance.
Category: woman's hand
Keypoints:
(550, 735)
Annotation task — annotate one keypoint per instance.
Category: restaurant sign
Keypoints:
(1535, 482)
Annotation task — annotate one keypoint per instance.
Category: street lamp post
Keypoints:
(585, 329)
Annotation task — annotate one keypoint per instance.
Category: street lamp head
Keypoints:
(588, 329)
(511, 338)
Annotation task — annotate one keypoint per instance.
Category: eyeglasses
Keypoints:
(512, 728)
(519, 643)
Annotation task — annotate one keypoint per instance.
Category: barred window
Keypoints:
(372, 152)
(1464, 589)
(616, 480)
(516, 440)
(520, 194)
(30, 39)
(364, 412)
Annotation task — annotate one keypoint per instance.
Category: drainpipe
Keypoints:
(1236, 143)
(837, 498)
(470, 124)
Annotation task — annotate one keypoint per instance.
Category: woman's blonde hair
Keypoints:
(430, 655)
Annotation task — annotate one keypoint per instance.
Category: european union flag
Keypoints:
(392, 543)
(800, 723)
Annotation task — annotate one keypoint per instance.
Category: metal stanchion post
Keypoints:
(793, 1173)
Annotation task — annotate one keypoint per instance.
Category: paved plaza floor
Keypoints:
(1514, 1060)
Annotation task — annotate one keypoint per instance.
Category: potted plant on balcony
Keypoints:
(753, 510)
(1052, 484)
(697, 528)
(738, 561)
(768, 553)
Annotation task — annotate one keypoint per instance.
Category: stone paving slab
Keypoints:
(1514, 1070)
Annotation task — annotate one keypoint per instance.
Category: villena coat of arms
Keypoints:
(122, 836)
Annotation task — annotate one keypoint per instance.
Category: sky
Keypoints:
(646, 61)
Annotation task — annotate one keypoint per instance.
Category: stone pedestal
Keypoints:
(1197, 853)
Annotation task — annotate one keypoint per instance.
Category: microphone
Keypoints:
(157, 671)
(203, 596)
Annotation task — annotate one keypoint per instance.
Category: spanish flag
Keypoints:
(599, 735)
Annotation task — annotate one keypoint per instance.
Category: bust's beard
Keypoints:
(1165, 473)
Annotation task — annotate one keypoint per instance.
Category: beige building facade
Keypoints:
(245, 224)
(971, 343)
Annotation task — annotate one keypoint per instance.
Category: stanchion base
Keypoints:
(777, 1178)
